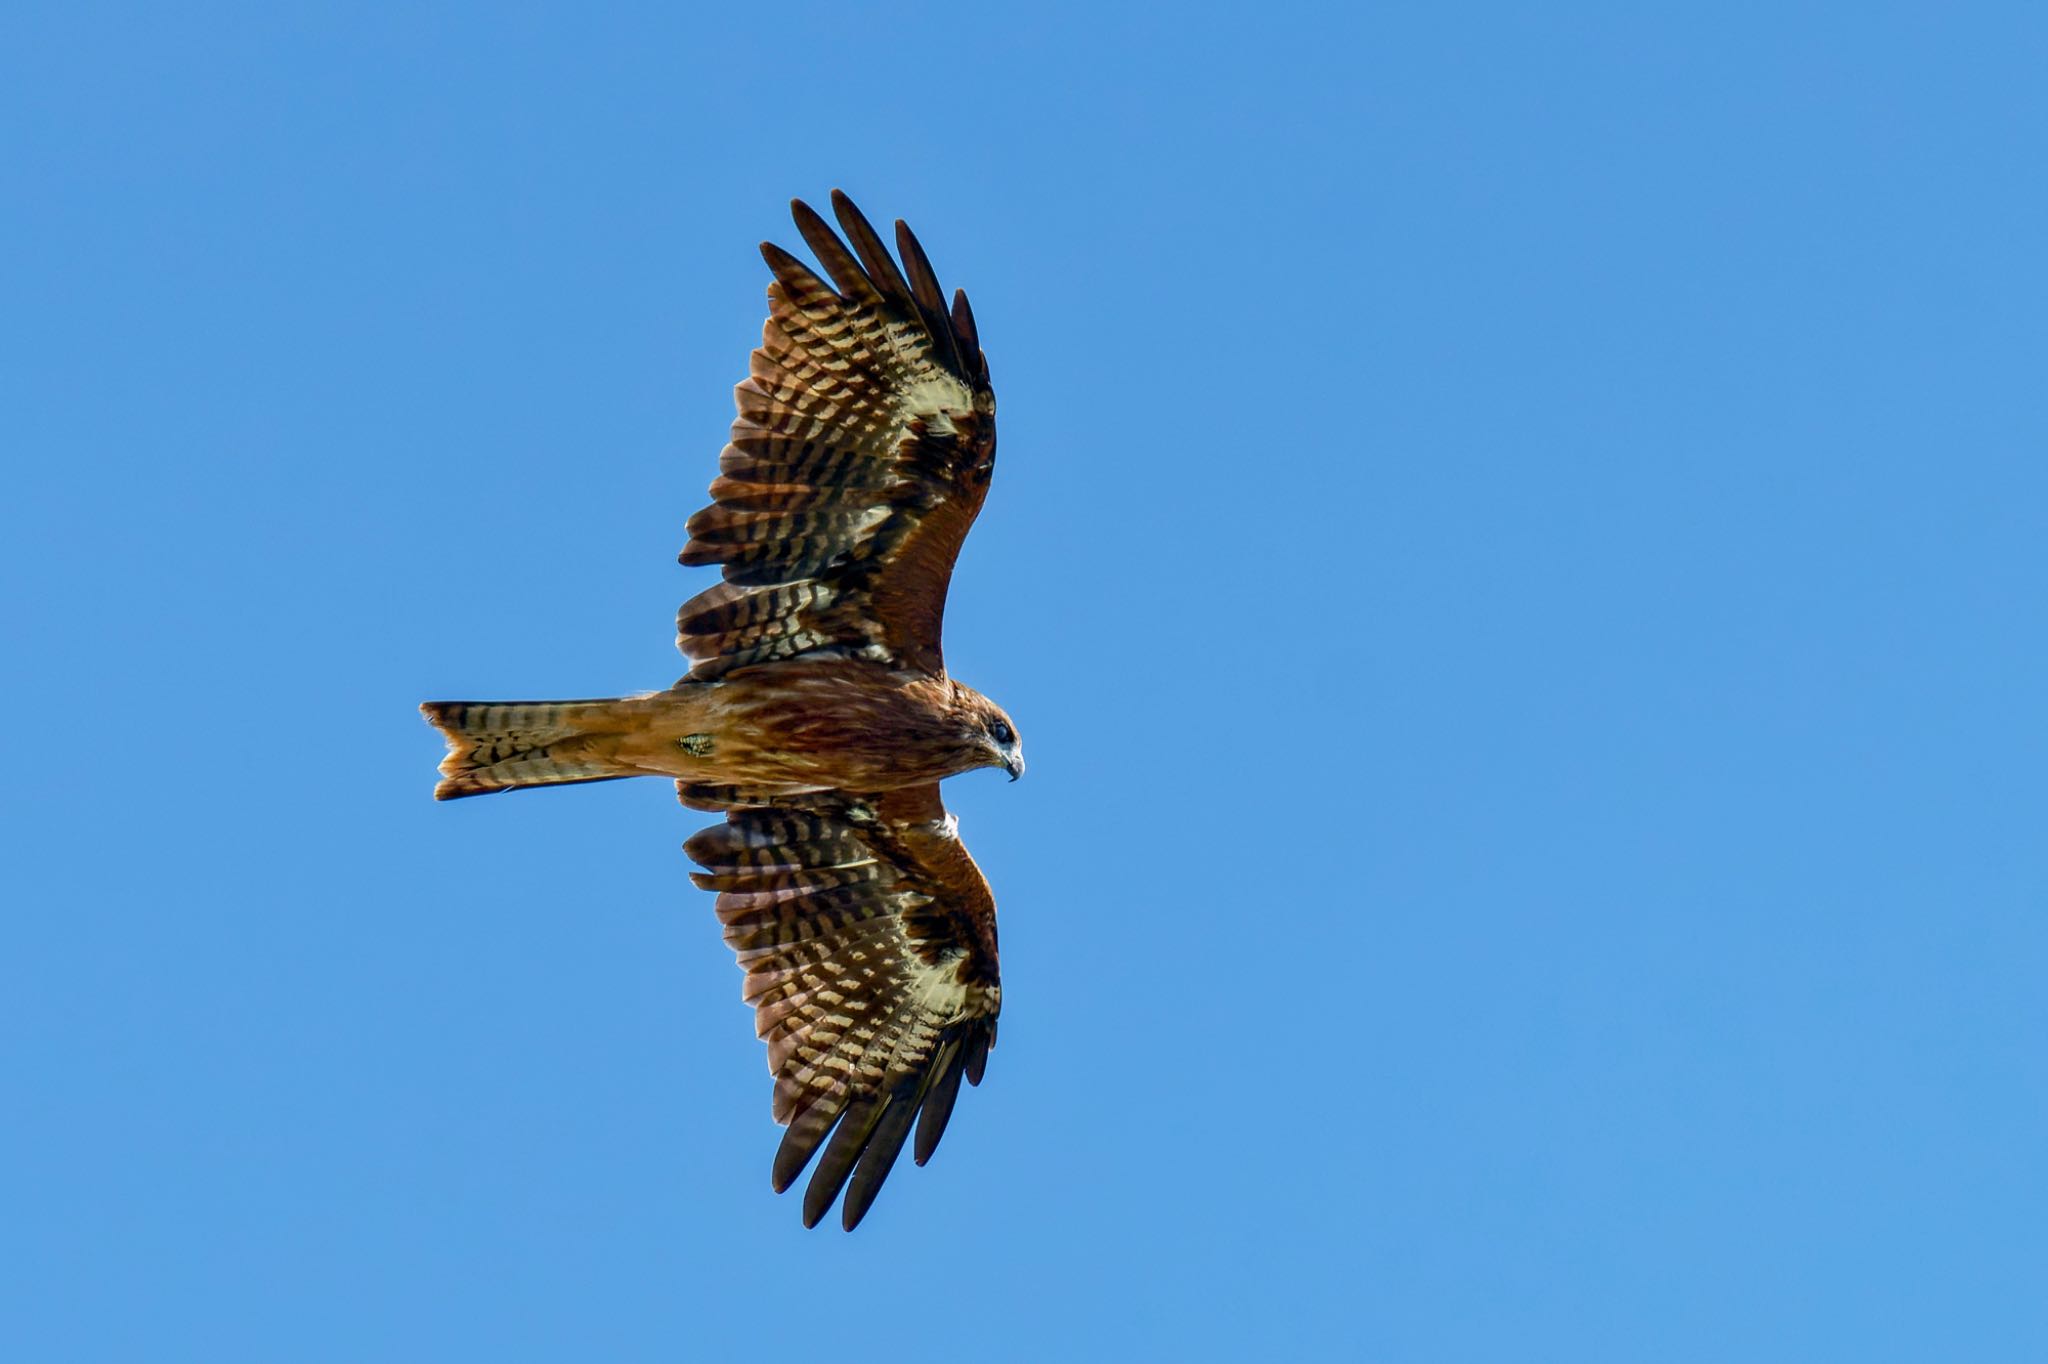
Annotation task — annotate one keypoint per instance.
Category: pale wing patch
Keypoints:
(937, 396)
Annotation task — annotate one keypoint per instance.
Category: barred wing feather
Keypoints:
(868, 938)
(860, 457)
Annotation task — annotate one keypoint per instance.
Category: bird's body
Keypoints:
(817, 715)
(791, 727)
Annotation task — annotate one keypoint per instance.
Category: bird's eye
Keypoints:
(1000, 732)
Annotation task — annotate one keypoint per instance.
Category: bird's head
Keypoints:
(988, 732)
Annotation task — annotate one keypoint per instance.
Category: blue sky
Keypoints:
(1517, 555)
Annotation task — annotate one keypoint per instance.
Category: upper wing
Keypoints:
(862, 452)
(869, 941)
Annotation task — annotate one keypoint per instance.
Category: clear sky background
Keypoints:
(1518, 555)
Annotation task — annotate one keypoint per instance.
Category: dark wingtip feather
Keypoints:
(924, 280)
(799, 1144)
(792, 272)
(831, 252)
(963, 327)
(937, 1108)
(884, 1144)
(867, 244)
(931, 299)
(977, 1051)
(849, 1139)
(843, 208)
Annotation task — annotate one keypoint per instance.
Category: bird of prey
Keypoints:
(817, 715)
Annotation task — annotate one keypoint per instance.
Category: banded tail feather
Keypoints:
(498, 745)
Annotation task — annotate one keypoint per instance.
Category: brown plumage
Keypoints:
(817, 714)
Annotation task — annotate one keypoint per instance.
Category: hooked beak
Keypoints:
(1014, 765)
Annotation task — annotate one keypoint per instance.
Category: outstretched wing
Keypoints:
(868, 937)
(862, 452)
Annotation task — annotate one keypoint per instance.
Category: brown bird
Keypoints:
(818, 716)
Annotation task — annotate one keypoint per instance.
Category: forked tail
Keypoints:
(497, 745)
